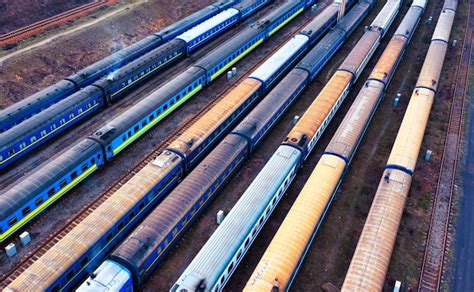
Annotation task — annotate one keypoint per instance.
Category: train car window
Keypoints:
(120, 226)
(165, 107)
(143, 123)
(239, 254)
(39, 201)
(135, 129)
(12, 221)
(92, 161)
(51, 192)
(26, 211)
(84, 262)
(230, 267)
(63, 183)
(124, 138)
(141, 206)
(109, 237)
(130, 217)
(74, 175)
(70, 275)
(56, 288)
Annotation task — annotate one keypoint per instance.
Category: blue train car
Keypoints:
(167, 223)
(19, 141)
(43, 99)
(127, 127)
(114, 86)
(45, 186)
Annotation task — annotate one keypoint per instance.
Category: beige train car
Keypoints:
(281, 260)
(52, 265)
(194, 136)
(65, 253)
(371, 259)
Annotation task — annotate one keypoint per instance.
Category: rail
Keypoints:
(435, 247)
(42, 25)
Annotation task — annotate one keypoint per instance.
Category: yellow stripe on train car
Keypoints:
(285, 22)
(156, 120)
(48, 202)
(146, 74)
(244, 53)
(48, 134)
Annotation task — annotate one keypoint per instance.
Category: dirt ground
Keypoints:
(17, 14)
(330, 254)
(29, 72)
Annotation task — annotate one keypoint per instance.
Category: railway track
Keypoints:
(40, 26)
(52, 239)
(437, 239)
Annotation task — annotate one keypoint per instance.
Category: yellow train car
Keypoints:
(371, 258)
(53, 264)
(281, 259)
(245, 93)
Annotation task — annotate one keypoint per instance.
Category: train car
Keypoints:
(127, 127)
(25, 200)
(371, 258)
(219, 257)
(185, 203)
(282, 259)
(94, 237)
(43, 99)
(21, 140)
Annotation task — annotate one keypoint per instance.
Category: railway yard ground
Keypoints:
(328, 259)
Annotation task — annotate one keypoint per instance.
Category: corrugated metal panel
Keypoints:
(286, 249)
(389, 59)
(386, 15)
(260, 117)
(361, 53)
(431, 71)
(421, 3)
(153, 230)
(24, 191)
(219, 250)
(316, 114)
(353, 16)
(53, 264)
(277, 60)
(347, 135)
(450, 4)
(407, 26)
(372, 256)
(408, 142)
(208, 24)
(200, 130)
(443, 28)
